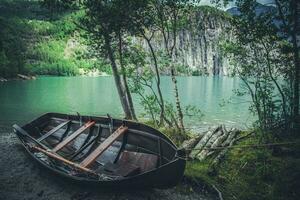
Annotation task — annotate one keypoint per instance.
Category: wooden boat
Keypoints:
(103, 151)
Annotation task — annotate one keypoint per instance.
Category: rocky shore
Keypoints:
(88, 73)
(18, 77)
(20, 178)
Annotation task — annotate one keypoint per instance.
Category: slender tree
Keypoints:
(144, 24)
(266, 54)
(288, 14)
(107, 22)
(169, 15)
(163, 17)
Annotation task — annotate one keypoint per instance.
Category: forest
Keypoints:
(148, 46)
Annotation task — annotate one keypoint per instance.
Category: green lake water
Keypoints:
(20, 101)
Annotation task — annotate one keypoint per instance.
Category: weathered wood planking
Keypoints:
(103, 146)
(73, 136)
(52, 131)
(58, 157)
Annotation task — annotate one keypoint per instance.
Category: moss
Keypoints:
(251, 173)
(175, 135)
(246, 173)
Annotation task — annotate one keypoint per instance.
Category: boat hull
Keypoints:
(164, 176)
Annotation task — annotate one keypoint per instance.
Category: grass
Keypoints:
(256, 173)
(252, 173)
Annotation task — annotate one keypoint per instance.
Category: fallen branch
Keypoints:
(218, 142)
(3, 79)
(218, 191)
(202, 143)
(26, 77)
(203, 154)
(191, 143)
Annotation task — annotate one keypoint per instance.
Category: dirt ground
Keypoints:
(20, 178)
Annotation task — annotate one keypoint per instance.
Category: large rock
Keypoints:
(198, 42)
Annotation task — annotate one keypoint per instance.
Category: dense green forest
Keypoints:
(38, 41)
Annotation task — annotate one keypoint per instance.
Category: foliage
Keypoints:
(33, 43)
(168, 18)
(256, 53)
(175, 135)
(59, 5)
(12, 46)
(196, 73)
(143, 83)
(252, 173)
(212, 11)
(37, 22)
(108, 24)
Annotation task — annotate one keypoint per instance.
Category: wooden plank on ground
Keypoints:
(52, 131)
(103, 146)
(73, 136)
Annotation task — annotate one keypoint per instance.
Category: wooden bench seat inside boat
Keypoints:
(91, 158)
(73, 136)
(103, 146)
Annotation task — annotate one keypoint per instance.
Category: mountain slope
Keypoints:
(35, 41)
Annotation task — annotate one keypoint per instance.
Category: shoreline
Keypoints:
(102, 74)
(40, 76)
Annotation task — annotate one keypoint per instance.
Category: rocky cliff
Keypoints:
(198, 42)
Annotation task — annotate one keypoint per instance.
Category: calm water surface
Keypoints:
(20, 101)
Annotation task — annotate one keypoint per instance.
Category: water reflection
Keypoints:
(21, 101)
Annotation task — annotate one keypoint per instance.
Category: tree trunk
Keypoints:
(162, 103)
(177, 101)
(189, 144)
(127, 92)
(168, 25)
(117, 78)
(276, 83)
(201, 144)
(129, 97)
(295, 6)
(228, 143)
(202, 155)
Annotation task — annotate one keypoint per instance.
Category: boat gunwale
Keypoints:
(92, 180)
(158, 134)
(105, 117)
